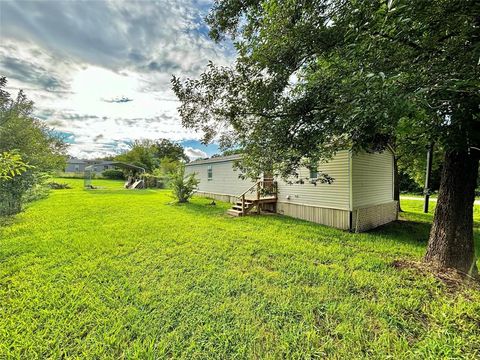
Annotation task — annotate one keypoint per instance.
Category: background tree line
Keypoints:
(160, 159)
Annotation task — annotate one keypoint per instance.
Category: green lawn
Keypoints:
(114, 273)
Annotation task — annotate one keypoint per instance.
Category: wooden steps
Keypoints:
(233, 212)
(266, 193)
(236, 209)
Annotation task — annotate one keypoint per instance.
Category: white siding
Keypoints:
(335, 195)
(224, 180)
(372, 178)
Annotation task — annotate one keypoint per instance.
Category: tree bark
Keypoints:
(396, 184)
(451, 243)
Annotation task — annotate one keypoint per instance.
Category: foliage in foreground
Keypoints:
(39, 149)
(81, 277)
(11, 165)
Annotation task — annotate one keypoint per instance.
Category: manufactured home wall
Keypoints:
(372, 178)
(335, 195)
(326, 204)
(363, 185)
(225, 180)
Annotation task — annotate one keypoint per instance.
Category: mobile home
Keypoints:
(359, 198)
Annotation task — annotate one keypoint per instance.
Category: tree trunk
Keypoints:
(451, 242)
(396, 184)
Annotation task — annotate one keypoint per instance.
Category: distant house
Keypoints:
(78, 165)
(359, 198)
(75, 165)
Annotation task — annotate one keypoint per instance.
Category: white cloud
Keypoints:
(195, 153)
(71, 58)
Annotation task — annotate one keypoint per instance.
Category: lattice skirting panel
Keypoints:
(331, 217)
(367, 218)
(220, 197)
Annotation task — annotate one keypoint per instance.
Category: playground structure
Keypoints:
(135, 178)
(135, 183)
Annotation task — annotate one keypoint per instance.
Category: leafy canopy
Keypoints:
(149, 153)
(312, 77)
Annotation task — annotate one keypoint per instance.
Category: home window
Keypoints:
(313, 172)
(77, 168)
(105, 167)
(209, 172)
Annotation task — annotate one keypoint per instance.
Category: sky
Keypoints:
(99, 71)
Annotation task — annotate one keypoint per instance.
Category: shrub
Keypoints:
(58, 186)
(16, 192)
(113, 174)
(183, 186)
(154, 181)
(29, 151)
(11, 164)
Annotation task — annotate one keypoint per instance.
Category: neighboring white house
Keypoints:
(78, 165)
(360, 197)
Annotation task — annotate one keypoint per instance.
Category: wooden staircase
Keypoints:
(260, 193)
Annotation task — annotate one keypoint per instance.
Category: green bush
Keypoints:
(16, 192)
(11, 164)
(154, 181)
(183, 186)
(113, 174)
(30, 150)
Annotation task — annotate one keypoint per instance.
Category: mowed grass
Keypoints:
(117, 274)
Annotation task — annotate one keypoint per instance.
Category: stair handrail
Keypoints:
(248, 190)
(242, 196)
(258, 185)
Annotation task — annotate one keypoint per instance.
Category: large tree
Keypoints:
(142, 153)
(150, 153)
(165, 148)
(312, 77)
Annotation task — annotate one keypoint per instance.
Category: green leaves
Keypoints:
(358, 67)
(148, 154)
(28, 149)
(11, 165)
(183, 185)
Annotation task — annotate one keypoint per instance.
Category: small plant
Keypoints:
(58, 186)
(183, 186)
(153, 181)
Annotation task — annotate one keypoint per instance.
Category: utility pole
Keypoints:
(426, 191)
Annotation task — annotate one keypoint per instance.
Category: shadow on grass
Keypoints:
(414, 232)
(8, 220)
(120, 192)
(201, 207)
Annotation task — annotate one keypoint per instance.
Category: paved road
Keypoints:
(477, 202)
